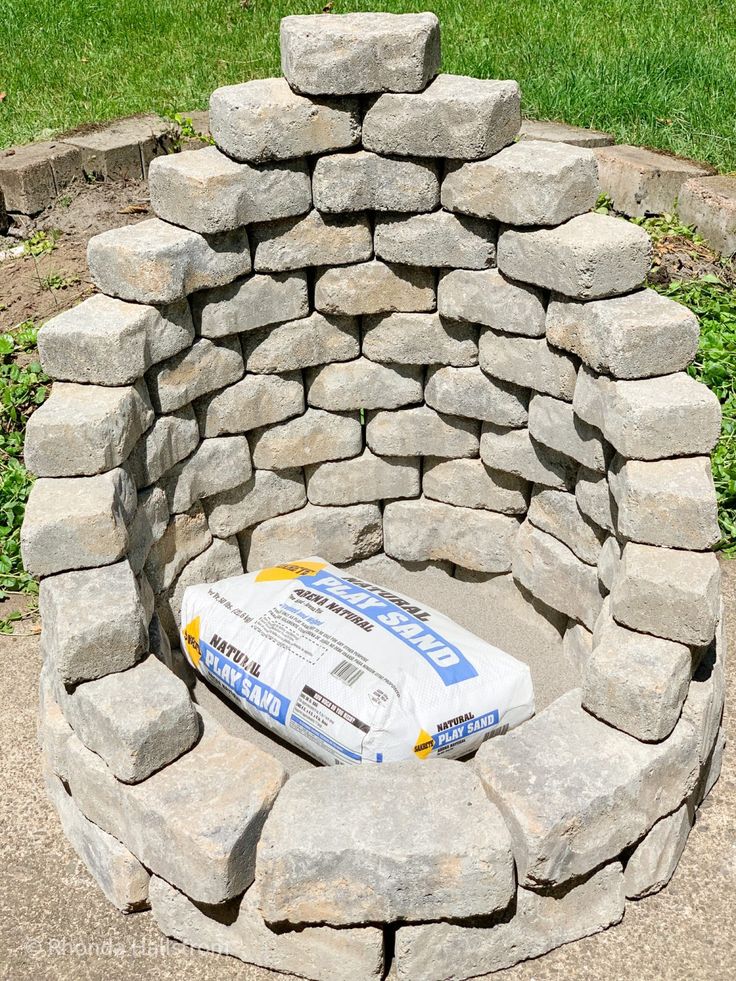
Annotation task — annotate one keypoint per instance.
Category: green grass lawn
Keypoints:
(654, 72)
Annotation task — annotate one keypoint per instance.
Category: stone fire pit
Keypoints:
(368, 325)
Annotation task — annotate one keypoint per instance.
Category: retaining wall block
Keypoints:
(484, 296)
(364, 181)
(419, 338)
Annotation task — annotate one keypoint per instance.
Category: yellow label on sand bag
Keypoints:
(423, 745)
(191, 641)
(290, 570)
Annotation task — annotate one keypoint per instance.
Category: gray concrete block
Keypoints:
(363, 479)
(123, 148)
(256, 400)
(529, 362)
(31, 176)
(608, 562)
(436, 239)
(246, 304)
(471, 484)
(421, 432)
(314, 340)
(588, 257)
(265, 495)
(337, 534)
(515, 452)
(154, 262)
(364, 384)
(207, 192)
(360, 53)
(576, 792)
(528, 183)
(594, 498)
(217, 465)
(313, 437)
(148, 525)
(420, 338)
(484, 296)
(641, 182)
(373, 288)
(424, 530)
(265, 120)
(654, 860)
(169, 440)
(557, 513)
(470, 392)
(364, 181)
(553, 423)
(456, 116)
(633, 336)
(343, 870)
(203, 368)
(186, 535)
(557, 132)
(577, 646)
(709, 204)
(312, 240)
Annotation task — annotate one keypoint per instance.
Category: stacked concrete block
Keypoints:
(378, 330)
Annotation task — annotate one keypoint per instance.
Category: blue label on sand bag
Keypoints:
(463, 729)
(443, 657)
(248, 688)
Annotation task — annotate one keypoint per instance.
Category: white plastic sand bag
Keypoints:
(348, 671)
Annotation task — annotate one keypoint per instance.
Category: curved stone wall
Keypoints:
(368, 321)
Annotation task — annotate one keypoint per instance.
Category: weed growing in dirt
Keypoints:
(41, 244)
(55, 281)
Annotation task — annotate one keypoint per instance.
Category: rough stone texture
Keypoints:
(137, 720)
(709, 204)
(148, 525)
(207, 192)
(643, 182)
(608, 561)
(470, 392)
(256, 400)
(421, 432)
(197, 371)
(186, 535)
(191, 822)
(712, 769)
(85, 429)
(169, 440)
(556, 132)
(471, 484)
(117, 872)
(516, 453)
(124, 148)
(420, 531)
(105, 341)
(343, 869)
(655, 858)
(32, 175)
(217, 465)
(666, 502)
(154, 262)
(635, 682)
(588, 257)
(265, 120)
(364, 384)
(77, 522)
(246, 304)
(529, 362)
(53, 731)
(419, 338)
(313, 340)
(556, 576)
(456, 116)
(705, 698)
(651, 418)
(312, 438)
(320, 953)
(267, 494)
(668, 593)
(484, 296)
(575, 792)
(577, 646)
(374, 287)
(314, 240)
(528, 183)
(594, 498)
(363, 479)
(634, 336)
(358, 54)
(93, 622)
(436, 239)
(553, 423)
(364, 181)
(540, 922)
(337, 534)
(557, 513)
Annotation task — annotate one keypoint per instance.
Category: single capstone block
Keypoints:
(364, 384)
(642, 182)
(588, 257)
(419, 338)
(364, 478)
(457, 117)
(634, 336)
(246, 304)
(421, 432)
(342, 869)
(314, 240)
(529, 362)
(93, 622)
(85, 429)
(484, 296)
(265, 495)
(471, 484)
(265, 120)
(373, 288)
(154, 262)
(256, 400)
(311, 438)
(668, 593)
(437, 239)
(344, 534)
(313, 340)
(470, 392)
(77, 522)
(208, 192)
(421, 531)
(363, 181)
(528, 183)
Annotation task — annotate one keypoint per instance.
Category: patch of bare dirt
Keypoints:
(39, 288)
(678, 259)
